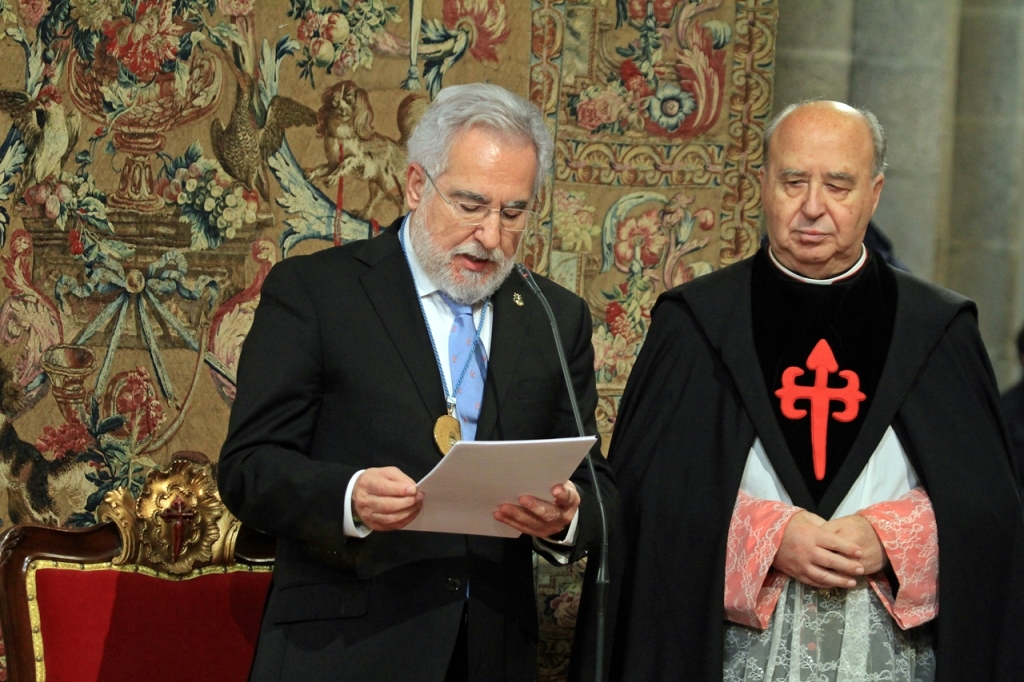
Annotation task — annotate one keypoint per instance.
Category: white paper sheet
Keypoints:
(461, 493)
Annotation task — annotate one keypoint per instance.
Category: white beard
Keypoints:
(467, 287)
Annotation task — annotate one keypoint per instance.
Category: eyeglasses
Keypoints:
(473, 215)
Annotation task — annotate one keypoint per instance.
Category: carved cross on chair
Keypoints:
(176, 515)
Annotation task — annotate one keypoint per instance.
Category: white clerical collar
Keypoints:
(831, 280)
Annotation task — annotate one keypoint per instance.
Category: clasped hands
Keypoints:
(387, 499)
(827, 554)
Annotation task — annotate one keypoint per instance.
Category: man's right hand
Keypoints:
(386, 499)
(815, 556)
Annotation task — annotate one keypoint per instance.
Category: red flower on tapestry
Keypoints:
(32, 11)
(235, 8)
(136, 401)
(640, 238)
(662, 10)
(489, 19)
(145, 44)
(69, 439)
(633, 80)
(309, 26)
(617, 320)
(565, 608)
(588, 116)
(606, 107)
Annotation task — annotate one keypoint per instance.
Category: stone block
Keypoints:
(810, 74)
(986, 173)
(986, 274)
(989, 5)
(990, 65)
(909, 213)
(897, 30)
(826, 24)
(914, 105)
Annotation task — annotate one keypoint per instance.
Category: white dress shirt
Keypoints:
(439, 318)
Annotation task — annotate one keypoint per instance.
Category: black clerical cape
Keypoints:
(694, 404)
(796, 324)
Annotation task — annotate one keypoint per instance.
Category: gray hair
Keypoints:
(460, 107)
(878, 166)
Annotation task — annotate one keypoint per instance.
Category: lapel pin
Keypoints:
(517, 298)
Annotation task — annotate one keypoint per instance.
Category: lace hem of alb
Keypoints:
(829, 636)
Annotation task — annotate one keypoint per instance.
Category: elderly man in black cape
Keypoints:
(809, 440)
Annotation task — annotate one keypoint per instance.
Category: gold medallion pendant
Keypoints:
(446, 433)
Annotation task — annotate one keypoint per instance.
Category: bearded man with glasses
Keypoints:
(356, 355)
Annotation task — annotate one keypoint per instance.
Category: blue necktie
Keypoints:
(470, 392)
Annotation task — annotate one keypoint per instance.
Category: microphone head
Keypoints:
(527, 276)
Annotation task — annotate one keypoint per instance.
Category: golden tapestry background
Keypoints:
(145, 193)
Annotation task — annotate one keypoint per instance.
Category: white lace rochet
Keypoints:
(837, 635)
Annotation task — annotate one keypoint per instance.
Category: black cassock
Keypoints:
(696, 400)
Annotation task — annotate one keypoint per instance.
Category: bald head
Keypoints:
(820, 186)
(878, 142)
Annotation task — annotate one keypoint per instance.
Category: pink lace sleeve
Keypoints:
(908, 532)
(752, 586)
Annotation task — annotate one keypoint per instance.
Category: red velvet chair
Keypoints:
(172, 587)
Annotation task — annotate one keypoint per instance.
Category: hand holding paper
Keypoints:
(386, 499)
(541, 518)
(463, 492)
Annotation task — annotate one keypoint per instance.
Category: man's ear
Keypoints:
(415, 179)
(876, 188)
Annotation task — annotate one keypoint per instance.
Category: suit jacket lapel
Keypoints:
(508, 336)
(727, 322)
(389, 287)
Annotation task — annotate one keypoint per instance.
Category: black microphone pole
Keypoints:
(602, 568)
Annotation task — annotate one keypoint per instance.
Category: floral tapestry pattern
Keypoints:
(158, 157)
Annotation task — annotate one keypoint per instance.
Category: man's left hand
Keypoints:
(539, 518)
(858, 529)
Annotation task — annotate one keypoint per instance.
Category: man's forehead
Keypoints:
(828, 114)
(822, 140)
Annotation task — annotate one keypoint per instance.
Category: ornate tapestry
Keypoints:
(159, 156)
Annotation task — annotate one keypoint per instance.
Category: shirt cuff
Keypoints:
(560, 550)
(353, 529)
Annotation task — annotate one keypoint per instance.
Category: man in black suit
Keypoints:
(341, 383)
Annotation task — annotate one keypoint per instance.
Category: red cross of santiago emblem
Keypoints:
(178, 514)
(822, 362)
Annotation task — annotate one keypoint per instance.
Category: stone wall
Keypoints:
(945, 79)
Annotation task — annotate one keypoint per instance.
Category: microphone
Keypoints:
(602, 569)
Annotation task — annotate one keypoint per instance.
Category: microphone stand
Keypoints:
(602, 569)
